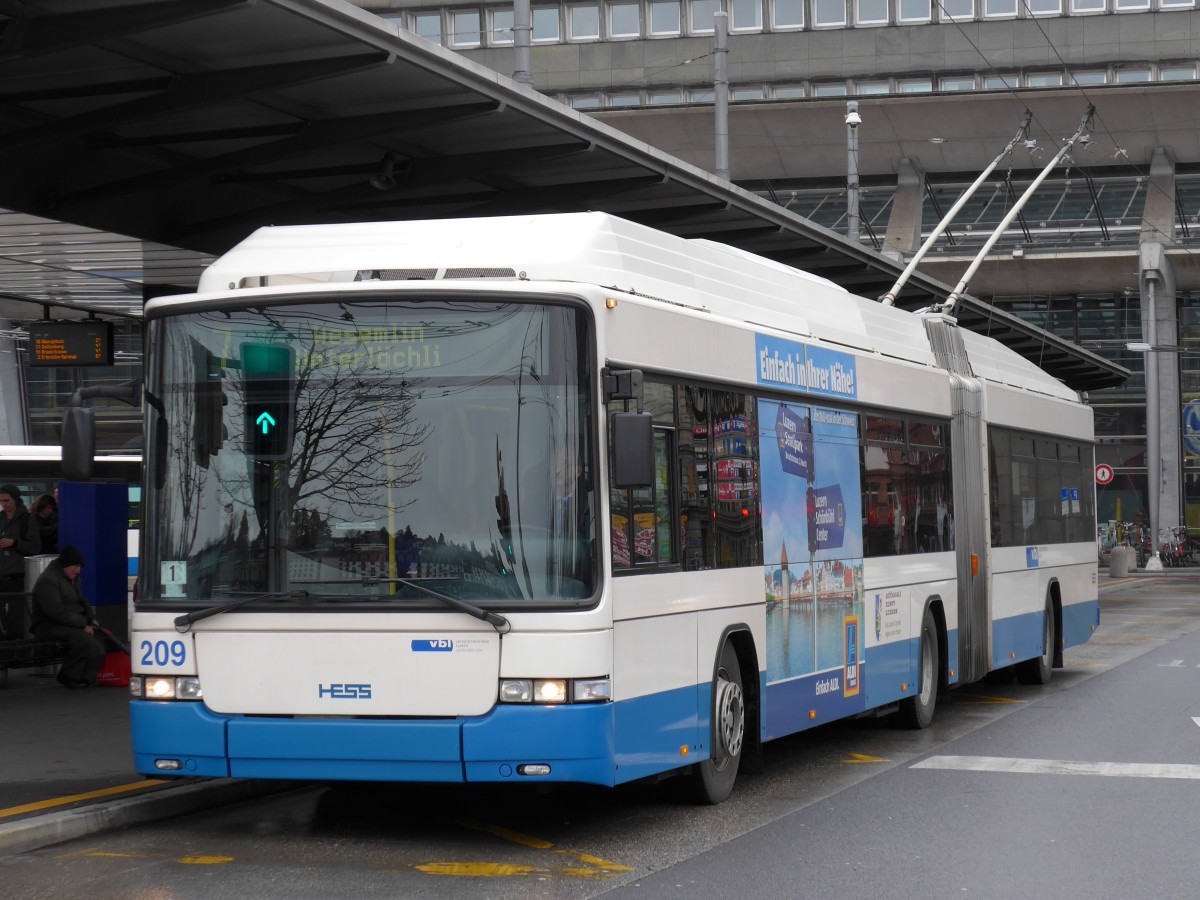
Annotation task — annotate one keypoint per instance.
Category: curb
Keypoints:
(37, 832)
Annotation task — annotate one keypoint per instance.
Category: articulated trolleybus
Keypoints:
(563, 499)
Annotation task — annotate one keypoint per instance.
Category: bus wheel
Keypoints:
(917, 711)
(1038, 669)
(711, 781)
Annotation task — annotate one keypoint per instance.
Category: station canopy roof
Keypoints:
(189, 123)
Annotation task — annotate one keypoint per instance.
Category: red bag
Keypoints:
(116, 670)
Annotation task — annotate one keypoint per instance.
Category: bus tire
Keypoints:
(917, 711)
(1039, 669)
(710, 782)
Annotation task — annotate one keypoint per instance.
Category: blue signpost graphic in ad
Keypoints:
(813, 543)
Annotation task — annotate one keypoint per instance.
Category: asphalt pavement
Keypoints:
(66, 765)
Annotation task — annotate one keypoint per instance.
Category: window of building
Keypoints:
(1131, 4)
(1164, 4)
(829, 12)
(465, 28)
(999, 82)
(664, 17)
(583, 21)
(1086, 6)
(747, 93)
(915, 85)
(787, 91)
(633, 99)
(914, 10)
(624, 20)
(700, 15)
(428, 25)
(545, 23)
(957, 83)
(702, 96)
(500, 26)
(585, 103)
(660, 98)
(1044, 7)
(999, 8)
(1043, 79)
(1176, 73)
(830, 89)
(863, 88)
(1090, 76)
(787, 13)
(872, 12)
(746, 15)
(1133, 76)
(956, 10)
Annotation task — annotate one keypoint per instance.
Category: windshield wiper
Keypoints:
(496, 620)
(183, 624)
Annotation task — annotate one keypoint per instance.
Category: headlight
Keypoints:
(163, 687)
(550, 690)
(554, 691)
(516, 690)
(591, 690)
(158, 688)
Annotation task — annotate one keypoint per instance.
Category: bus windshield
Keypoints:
(359, 449)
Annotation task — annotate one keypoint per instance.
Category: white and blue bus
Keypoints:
(564, 499)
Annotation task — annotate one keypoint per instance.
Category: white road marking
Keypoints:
(1061, 767)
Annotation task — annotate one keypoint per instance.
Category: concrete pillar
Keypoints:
(903, 235)
(1160, 318)
(12, 394)
(1158, 217)
(1160, 329)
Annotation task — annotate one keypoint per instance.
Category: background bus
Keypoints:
(561, 498)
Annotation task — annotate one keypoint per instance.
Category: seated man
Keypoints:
(62, 613)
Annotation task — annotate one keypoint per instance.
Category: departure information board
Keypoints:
(84, 343)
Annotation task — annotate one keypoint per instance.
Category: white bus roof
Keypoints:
(597, 249)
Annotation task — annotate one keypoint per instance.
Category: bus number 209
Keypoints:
(160, 653)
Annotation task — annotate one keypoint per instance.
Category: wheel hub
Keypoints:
(731, 717)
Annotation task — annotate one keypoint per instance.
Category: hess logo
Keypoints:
(344, 691)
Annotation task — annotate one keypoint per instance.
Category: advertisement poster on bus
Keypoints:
(813, 547)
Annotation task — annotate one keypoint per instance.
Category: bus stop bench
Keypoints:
(29, 653)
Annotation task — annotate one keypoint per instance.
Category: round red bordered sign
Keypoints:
(1104, 474)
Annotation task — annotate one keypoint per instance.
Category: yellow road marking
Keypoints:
(981, 698)
(597, 866)
(856, 758)
(76, 798)
(478, 869)
(204, 860)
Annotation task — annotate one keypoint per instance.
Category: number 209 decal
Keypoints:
(163, 653)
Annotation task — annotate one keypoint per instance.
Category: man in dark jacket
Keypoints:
(62, 613)
(19, 538)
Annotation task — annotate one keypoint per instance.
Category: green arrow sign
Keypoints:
(265, 421)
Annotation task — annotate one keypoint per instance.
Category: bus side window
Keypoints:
(640, 519)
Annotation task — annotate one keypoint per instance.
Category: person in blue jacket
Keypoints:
(62, 613)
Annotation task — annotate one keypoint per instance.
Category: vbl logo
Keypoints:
(345, 691)
(437, 645)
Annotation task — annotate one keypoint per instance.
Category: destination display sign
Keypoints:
(84, 343)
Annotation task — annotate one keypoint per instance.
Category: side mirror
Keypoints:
(633, 450)
(78, 443)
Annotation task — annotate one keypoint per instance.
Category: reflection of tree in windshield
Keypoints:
(426, 441)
